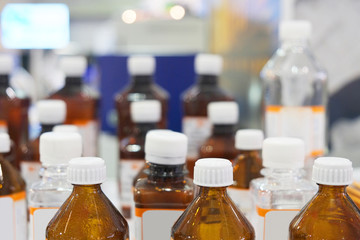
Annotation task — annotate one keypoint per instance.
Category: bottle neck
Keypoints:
(87, 189)
(285, 173)
(332, 191)
(55, 171)
(4, 81)
(47, 128)
(223, 129)
(207, 80)
(142, 80)
(73, 83)
(217, 192)
(143, 128)
(166, 173)
(295, 44)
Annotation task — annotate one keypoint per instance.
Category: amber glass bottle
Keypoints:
(195, 124)
(330, 214)
(87, 213)
(12, 197)
(81, 102)
(212, 214)
(164, 194)
(247, 166)
(141, 87)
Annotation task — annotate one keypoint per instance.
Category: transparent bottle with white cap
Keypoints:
(13, 216)
(195, 123)
(330, 214)
(164, 194)
(247, 166)
(212, 214)
(82, 103)
(47, 195)
(87, 213)
(146, 115)
(221, 143)
(283, 190)
(141, 68)
(295, 90)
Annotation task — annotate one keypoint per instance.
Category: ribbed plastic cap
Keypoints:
(293, 30)
(223, 112)
(147, 111)
(283, 152)
(57, 148)
(249, 139)
(73, 66)
(165, 147)
(66, 128)
(332, 171)
(4, 143)
(141, 65)
(86, 171)
(213, 172)
(6, 64)
(208, 64)
(51, 111)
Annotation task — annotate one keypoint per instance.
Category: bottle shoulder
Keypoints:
(270, 184)
(11, 181)
(202, 94)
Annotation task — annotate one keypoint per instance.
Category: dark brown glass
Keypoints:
(140, 88)
(212, 215)
(330, 215)
(247, 166)
(10, 181)
(87, 214)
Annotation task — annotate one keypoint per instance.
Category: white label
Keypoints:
(89, 133)
(156, 224)
(39, 219)
(197, 129)
(242, 199)
(30, 171)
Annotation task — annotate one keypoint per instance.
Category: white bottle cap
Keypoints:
(293, 30)
(147, 111)
(208, 64)
(213, 172)
(57, 148)
(283, 153)
(6, 64)
(223, 112)
(4, 143)
(86, 171)
(51, 111)
(73, 66)
(67, 128)
(332, 171)
(141, 65)
(165, 147)
(249, 139)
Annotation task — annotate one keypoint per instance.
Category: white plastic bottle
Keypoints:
(66, 128)
(46, 196)
(283, 191)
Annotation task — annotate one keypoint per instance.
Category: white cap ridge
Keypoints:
(147, 111)
(332, 171)
(6, 64)
(51, 111)
(249, 139)
(295, 30)
(208, 64)
(213, 172)
(4, 143)
(57, 148)
(226, 113)
(141, 65)
(68, 128)
(73, 66)
(86, 171)
(283, 153)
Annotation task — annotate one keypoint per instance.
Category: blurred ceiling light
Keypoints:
(177, 12)
(129, 16)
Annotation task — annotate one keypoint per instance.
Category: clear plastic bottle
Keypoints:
(46, 196)
(87, 213)
(330, 214)
(146, 115)
(212, 214)
(141, 87)
(82, 103)
(195, 124)
(295, 90)
(247, 166)
(165, 193)
(283, 191)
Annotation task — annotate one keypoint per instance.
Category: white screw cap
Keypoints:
(283, 152)
(73, 66)
(86, 171)
(223, 112)
(332, 171)
(208, 64)
(147, 111)
(57, 148)
(51, 111)
(213, 172)
(141, 65)
(4, 143)
(293, 30)
(165, 147)
(249, 139)
(67, 128)
(6, 64)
